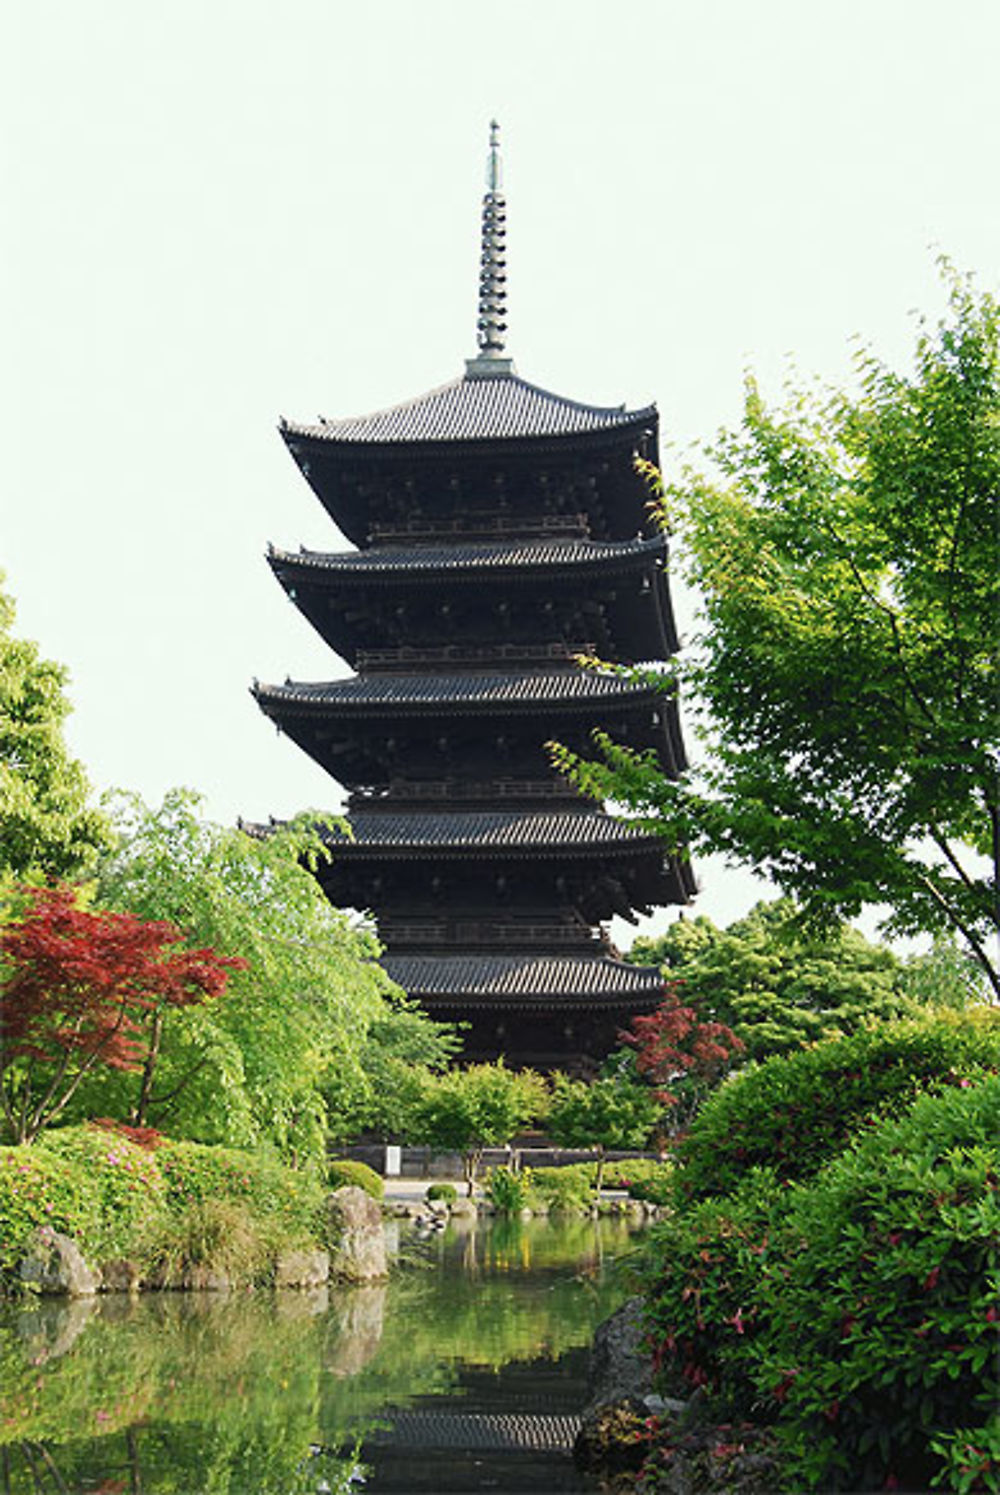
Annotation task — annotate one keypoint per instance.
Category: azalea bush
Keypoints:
(794, 1112)
(880, 1317)
(127, 1187)
(39, 1188)
(196, 1174)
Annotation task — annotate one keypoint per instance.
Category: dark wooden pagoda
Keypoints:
(501, 533)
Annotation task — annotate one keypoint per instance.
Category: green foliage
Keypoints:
(196, 1175)
(447, 1192)
(253, 1068)
(509, 1190)
(569, 1189)
(778, 984)
(794, 1112)
(848, 558)
(343, 1172)
(702, 1272)
(215, 1235)
(48, 828)
(644, 1179)
(127, 1188)
(945, 976)
(402, 1047)
(881, 1319)
(467, 1110)
(39, 1188)
(614, 1111)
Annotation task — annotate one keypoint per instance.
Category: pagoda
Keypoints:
(502, 533)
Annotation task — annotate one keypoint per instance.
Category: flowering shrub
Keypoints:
(195, 1174)
(703, 1268)
(39, 1188)
(569, 1189)
(796, 1111)
(880, 1323)
(127, 1187)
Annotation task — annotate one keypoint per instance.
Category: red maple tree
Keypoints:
(82, 987)
(679, 1051)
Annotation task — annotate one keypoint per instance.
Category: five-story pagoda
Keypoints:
(501, 533)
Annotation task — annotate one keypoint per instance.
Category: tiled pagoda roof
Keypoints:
(498, 408)
(521, 980)
(522, 691)
(498, 832)
(505, 555)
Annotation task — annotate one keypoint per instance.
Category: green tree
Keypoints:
(48, 829)
(403, 1047)
(468, 1110)
(253, 1066)
(777, 983)
(946, 975)
(848, 559)
(614, 1111)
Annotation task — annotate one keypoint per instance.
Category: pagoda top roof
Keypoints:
(477, 556)
(475, 407)
(513, 980)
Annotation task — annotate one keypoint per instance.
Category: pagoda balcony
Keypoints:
(481, 527)
(475, 933)
(452, 791)
(462, 656)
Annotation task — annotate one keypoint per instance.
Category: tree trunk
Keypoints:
(138, 1117)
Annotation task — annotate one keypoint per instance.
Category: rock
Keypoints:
(121, 1275)
(301, 1268)
(53, 1264)
(358, 1316)
(620, 1366)
(50, 1328)
(464, 1207)
(355, 1236)
(613, 1437)
(439, 1207)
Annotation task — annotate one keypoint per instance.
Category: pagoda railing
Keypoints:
(486, 526)
(455, 790)
(455, 656)
(480, 932)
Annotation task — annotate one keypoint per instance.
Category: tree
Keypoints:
(403, 1048)
(946, 975)
(775, 982)
(468, 1110)
(48, 828)
(613, 1111)
(848, 558)
(82, 988)
(295, 1024)
(680, 1052)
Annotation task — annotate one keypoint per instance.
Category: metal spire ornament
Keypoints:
(491, 326)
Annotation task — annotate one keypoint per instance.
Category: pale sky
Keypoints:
(219, 212)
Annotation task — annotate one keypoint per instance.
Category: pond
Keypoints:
(463, 1373)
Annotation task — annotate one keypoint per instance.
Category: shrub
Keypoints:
(568, 1189)
(195, 1173)
(881, 1319)
(507, 1191)
(39, 1188)
(646, 1179)
(218, 1235)
(447, 1192)
(128, 1187)
(342, 1173)
(701, 1271)
(796, 1111)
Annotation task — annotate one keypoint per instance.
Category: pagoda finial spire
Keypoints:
(490, 360)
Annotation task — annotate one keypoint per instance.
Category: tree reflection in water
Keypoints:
(245, 1392)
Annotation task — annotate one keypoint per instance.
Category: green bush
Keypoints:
(507, 1191)
(217, 1235)
(568, 1189)
(796, 1111)
(342, 1173)
(879, 1334)
(39, 1188)
(447, 1192)
(129, 1189)
(702, 1269)
(195, 1173)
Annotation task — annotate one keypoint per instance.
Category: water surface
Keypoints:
(462, 1373)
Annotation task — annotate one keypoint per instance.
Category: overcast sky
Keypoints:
(219, 212)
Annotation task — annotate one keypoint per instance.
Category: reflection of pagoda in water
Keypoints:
(501, 532)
